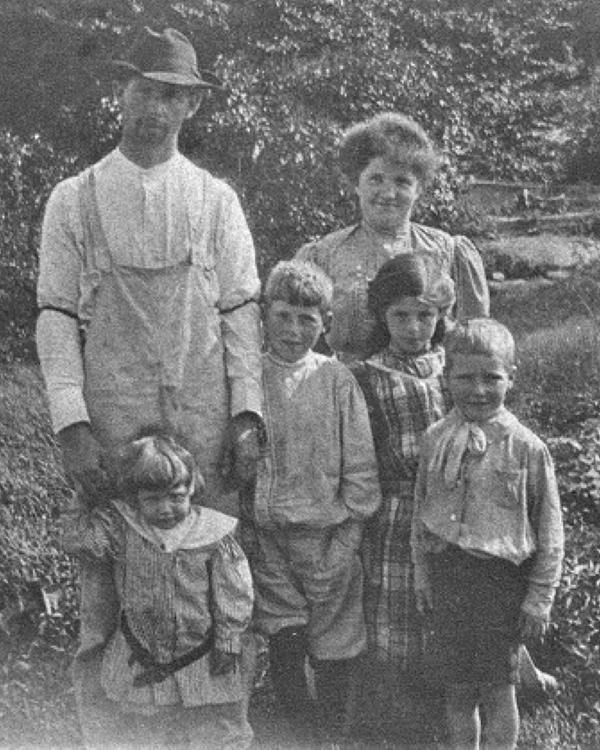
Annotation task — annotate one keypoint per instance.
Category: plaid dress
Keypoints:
(405, 396)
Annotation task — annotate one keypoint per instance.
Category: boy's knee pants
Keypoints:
(311, 577)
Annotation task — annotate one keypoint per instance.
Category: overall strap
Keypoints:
(96, 246)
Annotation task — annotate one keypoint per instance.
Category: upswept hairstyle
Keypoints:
(389, 135)
(299, 282)
(484, 336)
(157, 462)
(408, 275)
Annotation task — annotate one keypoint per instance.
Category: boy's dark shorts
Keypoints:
(476, 607)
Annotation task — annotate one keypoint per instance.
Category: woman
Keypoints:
(389, 160)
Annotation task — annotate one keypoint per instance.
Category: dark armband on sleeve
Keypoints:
(61, 310)
(226, 310)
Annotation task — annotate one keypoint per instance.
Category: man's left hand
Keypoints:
(246, 431)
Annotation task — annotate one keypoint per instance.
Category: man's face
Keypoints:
(292, 330)
(152, 111)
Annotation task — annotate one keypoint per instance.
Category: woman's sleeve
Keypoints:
(472, 293)
(233, 595)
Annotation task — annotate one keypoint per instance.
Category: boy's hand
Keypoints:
(532, 627)
(222, 662)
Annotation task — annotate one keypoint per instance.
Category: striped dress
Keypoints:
(405, 396)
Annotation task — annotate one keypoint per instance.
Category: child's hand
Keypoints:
(532, 627)
(222, 662)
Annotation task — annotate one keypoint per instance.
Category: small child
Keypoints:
(403, 386)
(185, 595)
(487, 537)
(316, 485)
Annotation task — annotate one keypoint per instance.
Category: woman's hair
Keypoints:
(389, 135)
(156, 462)
(299, 282)
(484, 336)
(408, 275)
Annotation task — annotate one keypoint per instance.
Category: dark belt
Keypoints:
(156, 671)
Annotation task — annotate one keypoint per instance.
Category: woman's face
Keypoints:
(386, 193)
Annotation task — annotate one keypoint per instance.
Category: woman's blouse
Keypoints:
(352, 256)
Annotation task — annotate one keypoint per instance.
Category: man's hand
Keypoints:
(83, 459)
(246, 429)
(532, 628)
(222, 662)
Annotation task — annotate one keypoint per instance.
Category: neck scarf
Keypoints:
(459, 439)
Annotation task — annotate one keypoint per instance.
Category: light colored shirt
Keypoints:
(319, 467)
(173, 585)
(504, 504)
(141, 213)
(352, 256)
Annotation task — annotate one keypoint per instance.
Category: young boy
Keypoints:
(316, 485)
(487, 536)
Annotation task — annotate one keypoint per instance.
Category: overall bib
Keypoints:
(153, 358)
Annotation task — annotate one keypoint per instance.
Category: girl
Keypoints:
(402, 383)
(185, 597)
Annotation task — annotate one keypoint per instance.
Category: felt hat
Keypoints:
(167, 56)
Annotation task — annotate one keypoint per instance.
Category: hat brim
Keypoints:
(205, 79)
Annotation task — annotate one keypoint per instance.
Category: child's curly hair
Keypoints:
(155, 461)
(299, 282)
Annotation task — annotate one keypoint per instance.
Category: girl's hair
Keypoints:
(408, 275)
(156, 462)
(389, 135)
(484, 336)
(299, 282)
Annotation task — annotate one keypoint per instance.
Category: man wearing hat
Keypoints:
(148, 318)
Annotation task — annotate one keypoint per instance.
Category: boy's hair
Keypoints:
(481, 336)
(299, 282)
(408, 275)
(156, 462)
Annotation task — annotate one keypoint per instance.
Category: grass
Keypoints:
(557, 389)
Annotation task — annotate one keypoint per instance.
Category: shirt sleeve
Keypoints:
(472, 293)
(57, 333)
(359, 488)
(238, 303)
(59, 352)
(92, 532)
(546, 519)
(233, 595)
(60, 256)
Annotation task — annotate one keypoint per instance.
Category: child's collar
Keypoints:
(203, 527)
